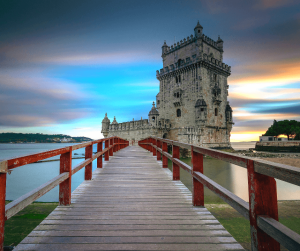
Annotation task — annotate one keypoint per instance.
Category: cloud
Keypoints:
(269, 4)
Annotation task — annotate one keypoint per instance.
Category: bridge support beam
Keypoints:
(262, 201)
(165, 158)
(106, 153)
(99, 159)
(2, 207)
(176, 169)
(88, 167)
(65, 186)
(198, 188)
(153, 148)
(158, 144)
(111, 142)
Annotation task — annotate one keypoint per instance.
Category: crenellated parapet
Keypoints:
(186, 64)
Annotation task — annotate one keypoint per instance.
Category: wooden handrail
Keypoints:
(261, 211)
(112, 144)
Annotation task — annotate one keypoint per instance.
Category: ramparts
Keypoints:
(278, 146)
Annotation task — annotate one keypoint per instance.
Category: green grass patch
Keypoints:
(291, 222)
(21, 224)
(239, 228)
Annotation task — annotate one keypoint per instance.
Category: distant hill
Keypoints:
(39, 138)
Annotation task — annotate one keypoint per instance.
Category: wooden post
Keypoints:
(262, 201)
(88, 168)
(118, 145)
(65, 186)
(111, 142)
(153, 148)
(198, 188)
(165, 159)
(176, 170)
(158, 144)
(99, 159)
(2, 207)
(107, 152)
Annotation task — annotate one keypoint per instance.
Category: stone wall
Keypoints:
(278, 146)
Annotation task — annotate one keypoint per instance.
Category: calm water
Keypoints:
(26, 178)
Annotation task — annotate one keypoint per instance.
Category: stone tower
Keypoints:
(105, 126)
(194, 89)
(191, 105)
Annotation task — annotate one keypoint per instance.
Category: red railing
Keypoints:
(262, 210)
(112, 144)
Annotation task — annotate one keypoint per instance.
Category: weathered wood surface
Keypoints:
(131, 203)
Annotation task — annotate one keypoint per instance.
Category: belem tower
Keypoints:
(191, 105)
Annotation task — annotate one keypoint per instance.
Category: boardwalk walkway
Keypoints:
(130, 204)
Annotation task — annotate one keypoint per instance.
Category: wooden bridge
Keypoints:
(135, 203)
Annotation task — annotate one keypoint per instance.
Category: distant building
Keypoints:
(271, 138)
(191, 105)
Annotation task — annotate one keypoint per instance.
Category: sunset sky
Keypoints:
(64, 64)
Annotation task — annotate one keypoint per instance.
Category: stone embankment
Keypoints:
(292, 159)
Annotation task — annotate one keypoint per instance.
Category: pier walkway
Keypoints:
(131, 203)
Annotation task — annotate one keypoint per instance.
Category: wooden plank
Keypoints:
(141, 247)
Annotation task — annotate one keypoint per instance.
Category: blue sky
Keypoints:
(64, 64)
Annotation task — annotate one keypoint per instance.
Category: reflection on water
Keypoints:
(233, 178)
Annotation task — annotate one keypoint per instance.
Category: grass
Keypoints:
(21, 224)
(239, 227)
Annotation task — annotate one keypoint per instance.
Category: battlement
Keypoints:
(206, 59)
(191, 39)
(130, 125)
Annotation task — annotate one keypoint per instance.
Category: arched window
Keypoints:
(153, 119)
(178, 113)
(216, 111)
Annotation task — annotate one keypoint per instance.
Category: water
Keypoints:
(243, 145)
(26, 178)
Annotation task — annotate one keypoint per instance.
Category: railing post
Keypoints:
(153, 148)
(198, 188)
(165, 158)
(158, 144)
(262, 201)
(100, 158)
(176, 170)
(2, 207)
(88, 167)
(118, 144)
(106, 155)
(65, 186)
(114, 144)
(111, 142)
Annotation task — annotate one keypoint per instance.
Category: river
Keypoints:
(26, 178)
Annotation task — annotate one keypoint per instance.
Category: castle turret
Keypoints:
(153, 116)
(105, 126)
(220, 43)
(198, 30)
(114, 124)
(164, 49)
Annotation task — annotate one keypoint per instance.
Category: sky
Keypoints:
(64, 64)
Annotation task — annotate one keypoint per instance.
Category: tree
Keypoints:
(290, 128)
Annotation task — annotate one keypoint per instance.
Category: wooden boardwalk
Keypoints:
(132, 203)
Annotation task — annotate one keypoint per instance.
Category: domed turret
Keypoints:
(153, 115)
(105, 126)
(220, 43)
(164, 48)
(198, 30)
(114, 124)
